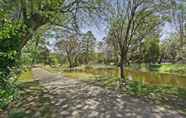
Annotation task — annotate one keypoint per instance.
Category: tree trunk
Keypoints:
(76, 60)
(70, 62)
(160, 60)
(34, 22)
(122, 81)
(122, 76)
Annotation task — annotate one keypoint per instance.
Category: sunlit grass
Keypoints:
(173, 68)
(177, 69)
(25, 76)
(78, 75)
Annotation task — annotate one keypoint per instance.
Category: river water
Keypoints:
(152, 78)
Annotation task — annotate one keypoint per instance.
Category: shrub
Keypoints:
(10, 41)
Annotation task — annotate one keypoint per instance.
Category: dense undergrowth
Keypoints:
(179, 69)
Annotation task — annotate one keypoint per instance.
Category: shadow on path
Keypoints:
(76, 99)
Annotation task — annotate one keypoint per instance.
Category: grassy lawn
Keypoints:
(26, 76)
(78, 75)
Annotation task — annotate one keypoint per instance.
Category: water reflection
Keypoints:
(152, 78)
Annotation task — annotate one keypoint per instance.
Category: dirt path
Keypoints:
(76, 99)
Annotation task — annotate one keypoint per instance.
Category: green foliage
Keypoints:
(136, 88)
(54, 59)
(44, 8)
(70, 49)
(35, 51)
(88, 47)
(155, 92)
(9, 43)
(179, 69)
(173, 68)
(8, 92)
(99, 57)
(17, 114)
(173, 50)
(152, 51)
(10, 40)
(140, 89)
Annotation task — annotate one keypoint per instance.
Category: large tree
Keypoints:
(130, 22)
(36, 13)
(70, 48)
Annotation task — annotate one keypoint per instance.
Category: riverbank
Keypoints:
(146, 76)
(178, 69)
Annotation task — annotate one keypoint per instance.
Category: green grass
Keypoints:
(173, 68)
(179, 69)
(78, 75)
(26, 76)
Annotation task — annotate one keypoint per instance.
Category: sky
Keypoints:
(167, 30)
(100, 32)
(99, 29)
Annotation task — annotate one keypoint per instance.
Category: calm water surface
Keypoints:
(152, 78)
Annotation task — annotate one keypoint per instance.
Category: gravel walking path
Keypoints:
(76, 99)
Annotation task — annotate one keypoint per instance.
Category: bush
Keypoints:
(10, 41)
(8, 91)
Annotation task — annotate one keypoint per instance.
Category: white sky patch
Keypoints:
(51, 40)
(168, 29)
(98, 31)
